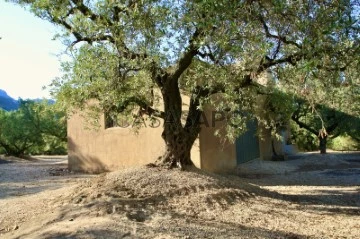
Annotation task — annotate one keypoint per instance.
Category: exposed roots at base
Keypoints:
(171, 163)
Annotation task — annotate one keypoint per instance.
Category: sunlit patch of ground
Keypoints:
(309, 197)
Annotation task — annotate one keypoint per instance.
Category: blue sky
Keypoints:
(28, 55)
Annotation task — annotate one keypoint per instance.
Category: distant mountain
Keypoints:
(6, 102)
(49, 101)
(3, 93)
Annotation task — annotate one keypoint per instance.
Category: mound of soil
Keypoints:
(289, 199)
(194, 193)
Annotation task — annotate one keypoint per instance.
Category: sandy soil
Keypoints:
(308, 196)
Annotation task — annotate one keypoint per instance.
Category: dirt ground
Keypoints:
(307, 196)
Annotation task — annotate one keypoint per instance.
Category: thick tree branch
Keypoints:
(332, 127)
(303, 125)
(245, 82)
(291, 59)
(278, 37)
(122, 49)
(145, 108)
(209, 55)
(86, 11)
(188, 56)
(91, 40)
(79, 37)
(89, 13)
(194, 115)
(153, 112)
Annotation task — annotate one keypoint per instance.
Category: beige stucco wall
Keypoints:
(216, 154)
(266, 142)
(96, 150)
(100, 149)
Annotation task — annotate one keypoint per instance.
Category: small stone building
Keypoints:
(108, 149)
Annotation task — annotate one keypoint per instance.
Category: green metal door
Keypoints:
(247, 145)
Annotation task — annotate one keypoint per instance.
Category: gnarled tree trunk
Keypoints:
(322, 144)
(179, 138)
(178, 148)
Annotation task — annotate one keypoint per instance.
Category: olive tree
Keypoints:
(148, 53)
(35, 128)
(328, 112)
(325, 123)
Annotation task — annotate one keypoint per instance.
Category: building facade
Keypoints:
(111, 148)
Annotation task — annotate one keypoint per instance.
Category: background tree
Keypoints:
(141, 53)
(325, 123)
(35, 128)
(51, 123)
(328, 112)
(17, 134)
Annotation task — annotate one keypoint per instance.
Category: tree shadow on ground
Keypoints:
(19, 191)
(90, 234)
(332, 202)
(225, 191)
(219, 192)
(329, 187)
(19, 177)
(178, 226)
(4, 161)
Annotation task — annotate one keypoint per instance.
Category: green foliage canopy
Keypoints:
(35, 128)
(142, 53)
(322, 121)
